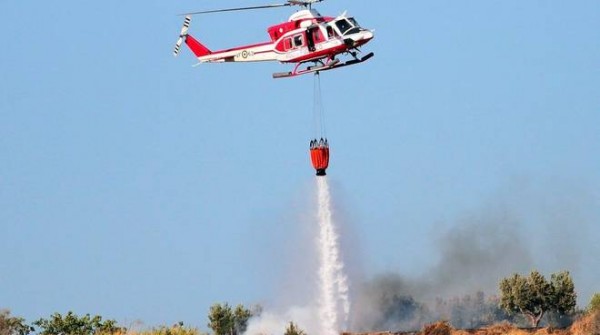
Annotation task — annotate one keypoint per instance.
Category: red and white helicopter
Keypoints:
(306, 38)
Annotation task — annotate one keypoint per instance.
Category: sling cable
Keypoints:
(319, 147)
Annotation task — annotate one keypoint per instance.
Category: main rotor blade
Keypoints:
(238, 9)
(303, 2)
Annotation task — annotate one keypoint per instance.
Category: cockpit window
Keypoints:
(353, 21)
(343, 25)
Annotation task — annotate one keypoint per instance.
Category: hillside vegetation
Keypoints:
(588, 324)
(531, 298)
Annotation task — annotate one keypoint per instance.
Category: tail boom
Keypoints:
(249, 53)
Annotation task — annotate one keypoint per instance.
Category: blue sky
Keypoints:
(136, 186)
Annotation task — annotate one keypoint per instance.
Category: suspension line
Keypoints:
(318, 110)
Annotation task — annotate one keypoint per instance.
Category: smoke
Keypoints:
(478, 251)
(270, 323)
(523, 227)
(474, 254)
(386, 303)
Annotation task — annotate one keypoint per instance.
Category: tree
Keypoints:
(71, 324)
(517, 298)
(293, 329)
(220, 319)
(594, 304)
(564, 298)
(533, 296)
(241, 316)
(12, 325)
(225, 321)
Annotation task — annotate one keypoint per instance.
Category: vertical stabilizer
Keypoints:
(197, 48)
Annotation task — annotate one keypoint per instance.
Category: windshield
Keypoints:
(343, 26)
(353, 21)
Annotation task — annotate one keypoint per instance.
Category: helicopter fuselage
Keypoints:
(306, 37)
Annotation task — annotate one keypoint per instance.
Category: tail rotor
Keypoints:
(182, 35)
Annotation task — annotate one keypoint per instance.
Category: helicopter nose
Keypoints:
(362, 37)
(367, 35)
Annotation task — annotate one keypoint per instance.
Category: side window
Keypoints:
(330, 32)
(317, 35)
(287, 43)
(298, 41)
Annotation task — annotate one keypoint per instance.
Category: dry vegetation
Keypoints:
(586, 325)
(162, 330)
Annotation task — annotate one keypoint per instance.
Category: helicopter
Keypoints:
(309, 40)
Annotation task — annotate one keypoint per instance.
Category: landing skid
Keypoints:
(309, 69)
(334, 64)
(352, 61)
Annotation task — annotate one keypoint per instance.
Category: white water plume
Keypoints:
(327, 306)
(334, 303)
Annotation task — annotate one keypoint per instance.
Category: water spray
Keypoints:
(334, 302)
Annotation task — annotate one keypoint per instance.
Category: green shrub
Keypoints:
(71, 324)
(293, 329)
(594, 304)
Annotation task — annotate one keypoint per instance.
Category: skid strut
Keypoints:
(332, 64)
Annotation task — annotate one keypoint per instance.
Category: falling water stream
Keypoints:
(334, 303)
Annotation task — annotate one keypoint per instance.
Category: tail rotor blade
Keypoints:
(177, 47)
(182, 35)
(186, 25)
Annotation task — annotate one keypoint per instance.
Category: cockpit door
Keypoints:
(310, 37)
